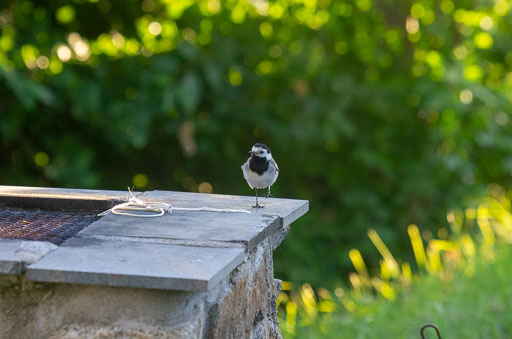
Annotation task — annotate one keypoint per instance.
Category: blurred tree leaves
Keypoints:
(381, 114)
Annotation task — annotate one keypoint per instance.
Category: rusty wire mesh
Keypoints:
(52, 226)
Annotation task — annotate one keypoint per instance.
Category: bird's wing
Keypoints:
(245, 169)
(275, 164)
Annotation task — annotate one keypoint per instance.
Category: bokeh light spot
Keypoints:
(65, 14)
(41, 159)
(82, 50)
(140, 180)
(29, 53)
(473, 72)
(460, 52)
(428, 18)
(442, 233)
(80, 46)
(412, 25)
(501, 118)
(486, 23)
(276, 11)
(43, 62)
(213, 6)
(364, 5)
(155, 28)
(6, 43)
(447, 6)
(117, 40)
(238, 14)
(205, 187)
(235, 76)
(73, 38)
(466, 96)
(264, 67)
(483, 40)
(64, 53)
(189, 34)
(433, 58)
(501, 7)
(266, 29)
(55, 66)
(417, 10)
(147, 5)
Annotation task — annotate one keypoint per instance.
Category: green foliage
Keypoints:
(381, 114)
(464, 288)
(465, 307)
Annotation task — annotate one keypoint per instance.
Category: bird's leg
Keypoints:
(257, 205)
(268, 194)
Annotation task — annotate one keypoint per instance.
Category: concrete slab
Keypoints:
(14, 254)
(136, 264)
(199, 227)
(288, 210)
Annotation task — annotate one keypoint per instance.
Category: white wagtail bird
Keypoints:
(260, 170)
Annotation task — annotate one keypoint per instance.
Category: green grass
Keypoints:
(465, 288)
(476, 306)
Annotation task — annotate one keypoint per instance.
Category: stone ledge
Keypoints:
(191, 226)
(15, 254)
(288, 210)
(136, 264)
(185, 250)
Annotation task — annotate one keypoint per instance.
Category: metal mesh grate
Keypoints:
(51, 226)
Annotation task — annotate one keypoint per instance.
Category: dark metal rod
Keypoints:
(430, 325)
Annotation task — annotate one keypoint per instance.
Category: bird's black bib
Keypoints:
(258, 164)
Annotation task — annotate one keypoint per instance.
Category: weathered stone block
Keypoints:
(246, 307)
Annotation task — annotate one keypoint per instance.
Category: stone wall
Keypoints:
(241, 306)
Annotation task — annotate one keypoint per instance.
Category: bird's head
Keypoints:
(261, 151)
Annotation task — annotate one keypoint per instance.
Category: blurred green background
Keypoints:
(381, 113)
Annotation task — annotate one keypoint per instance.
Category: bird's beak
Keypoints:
(250, 152)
